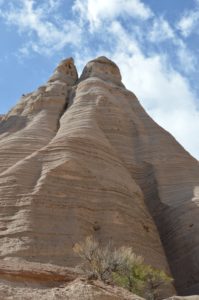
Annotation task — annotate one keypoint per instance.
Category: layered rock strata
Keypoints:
(33, 281)
(82, 157)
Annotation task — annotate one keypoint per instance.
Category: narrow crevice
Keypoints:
(149, 186)
(68, 102)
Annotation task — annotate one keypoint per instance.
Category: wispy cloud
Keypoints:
(49, 34)
(187, 58)
(97, 11)
(161, 30)
(189, 22)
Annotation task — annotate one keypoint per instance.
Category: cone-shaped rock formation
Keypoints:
(81, 157)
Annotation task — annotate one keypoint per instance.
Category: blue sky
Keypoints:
(154, 42)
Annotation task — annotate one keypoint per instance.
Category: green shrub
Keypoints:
(122, 267)
(131, 279)
(154, 281)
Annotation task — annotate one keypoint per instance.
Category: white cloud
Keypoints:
(161, 30)
(97, 11)
(47, 35)
(123, 38)
(54, 4)
(189, 22)
(187, 58)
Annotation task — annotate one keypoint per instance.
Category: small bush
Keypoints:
(104, 261)
(122, 267)
(129, 272)
(154, 280)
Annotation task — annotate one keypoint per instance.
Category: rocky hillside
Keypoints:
(79, 157)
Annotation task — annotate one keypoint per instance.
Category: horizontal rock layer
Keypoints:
(21, 280)
(77, 155)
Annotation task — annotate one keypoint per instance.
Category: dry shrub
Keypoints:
(122, 267)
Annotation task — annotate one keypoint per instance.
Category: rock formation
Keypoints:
(81, 157)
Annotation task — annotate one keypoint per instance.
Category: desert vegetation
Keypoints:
(121, 266)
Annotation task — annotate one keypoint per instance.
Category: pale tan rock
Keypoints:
(101, 163)
(33, 122)
(74, 182)
(102, 68)
(76, 290)
(28, 280)
(183, 298)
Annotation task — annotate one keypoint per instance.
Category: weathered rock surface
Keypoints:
(76, 290)
(76, 154)
(21, 280)
(73, 291)
(183, 298)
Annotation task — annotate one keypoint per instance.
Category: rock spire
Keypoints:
(80, 154)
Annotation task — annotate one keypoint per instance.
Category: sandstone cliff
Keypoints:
(78, 153)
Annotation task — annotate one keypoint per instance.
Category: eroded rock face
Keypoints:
(74, 291)
(80, 155)
(34, 121)
(102, 68)
(21, 281)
